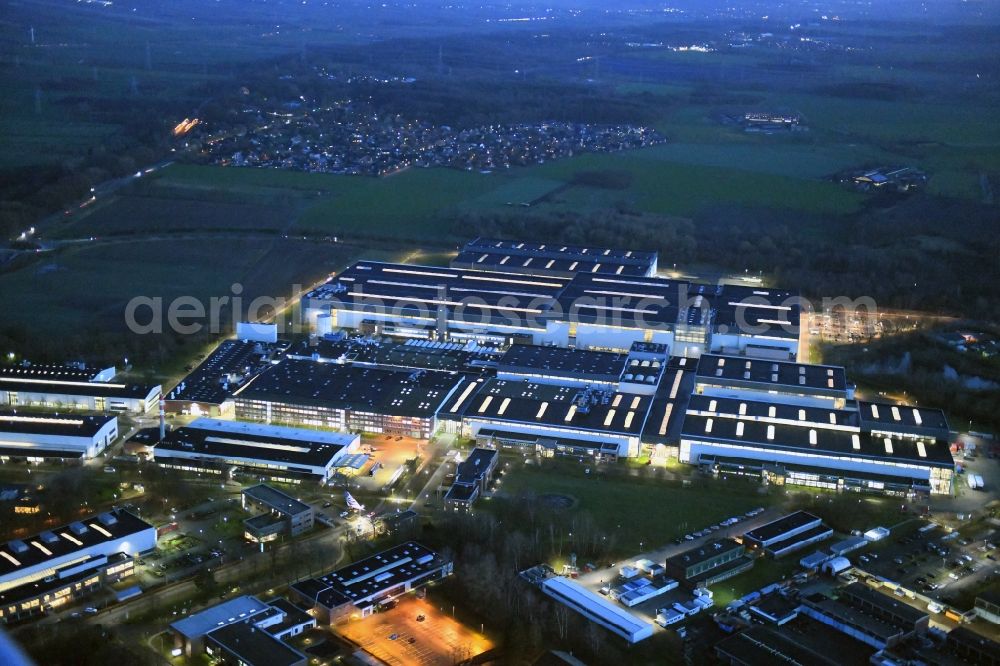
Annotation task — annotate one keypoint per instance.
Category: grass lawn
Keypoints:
(765, 571)
(634, 507)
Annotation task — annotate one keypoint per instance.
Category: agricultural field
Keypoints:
(131, 214)
(87, 287)
(661, 185)
(413, 204)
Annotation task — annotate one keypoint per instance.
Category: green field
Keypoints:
(86, 287)
(520, 190)
(146, 215)
(674, 188)
(679, 180)
(659, 510)
(405, 205)
(788, 158)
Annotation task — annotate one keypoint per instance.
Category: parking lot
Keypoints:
(933, 564)
(415, 632)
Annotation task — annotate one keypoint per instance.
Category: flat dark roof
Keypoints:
(255, 647)
(436, 293)
(19, 554)
(556, 405)
(563, 362)
(846, 613)
(699, 554)
(474, 467)
(410, 355)
(884, 602)
(776, 528)
(755, 372)
(460, 492)
(72, 372)
(552, 258)
(417, 393)
(504, 297)
(670, 403)
(638, 302)
(548, 441)
(15, 595)
(776, 412)
(903, 418)
(535, 249)
(763, 646)
(372, 575)
(811, 533)
(965, 637)
(80, 388)
(754, 433)
(205, 383)
(214, 438)
(52, 423)
(277, 500)
(293, 615)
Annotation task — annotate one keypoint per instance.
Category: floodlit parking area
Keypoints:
(388, 454)
(415, 632)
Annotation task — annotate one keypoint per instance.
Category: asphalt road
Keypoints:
(172, 594)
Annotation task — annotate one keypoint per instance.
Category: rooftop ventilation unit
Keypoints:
(17, 546)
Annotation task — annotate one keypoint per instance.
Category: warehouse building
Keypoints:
(595, 312)
(288, 455)
(586, 311)
(49, 569)
(787, 534)
(551, 418)
(561, 365)
(904, 421)
(638, 371)
(281, 514)
(349, 397)
(867, 615)
(73, 372)
(811, 446)
(553, 259)
(427, 302)
(972, 647)
(207, 390)
(597, 609)
(36, 436)
(73, 387)
(408, 355)
(359, 587)
(772, 381)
